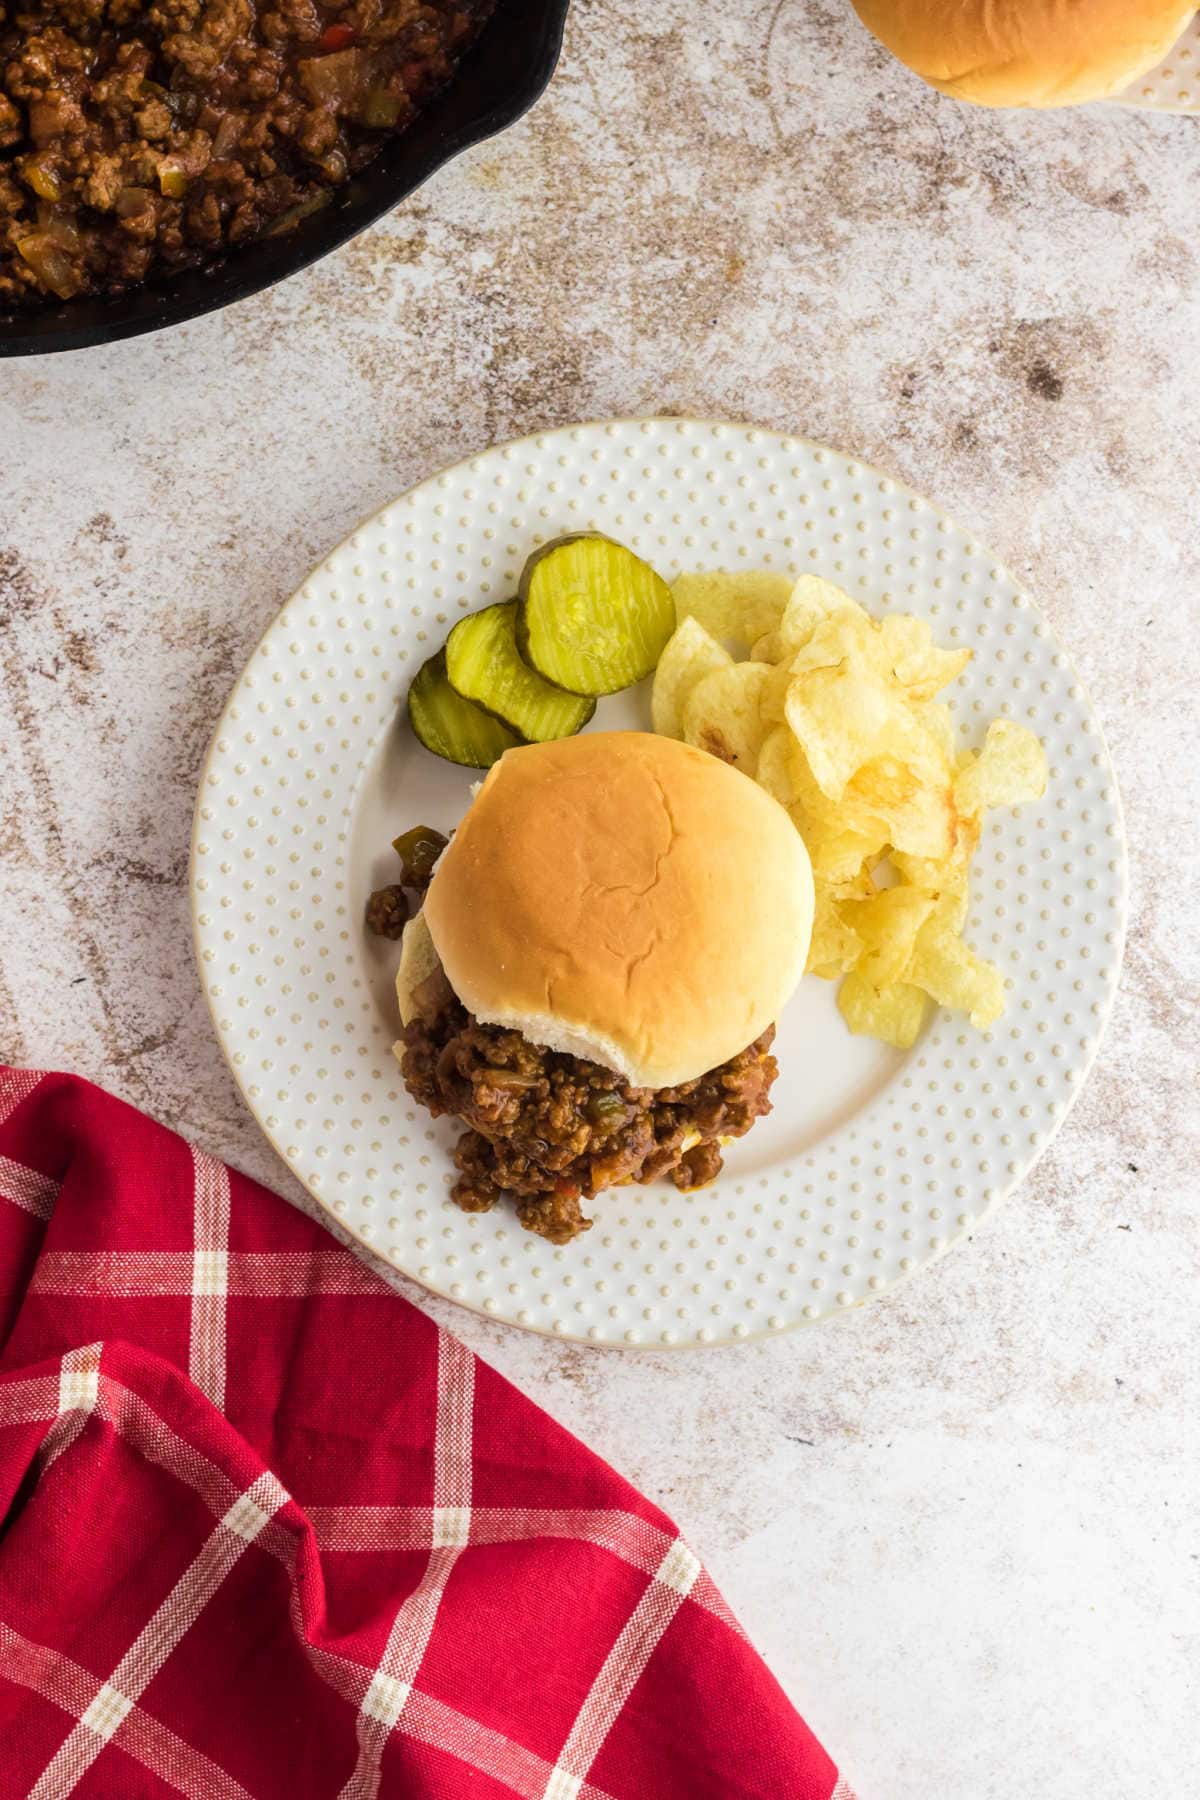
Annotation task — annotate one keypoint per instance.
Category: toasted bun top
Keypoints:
(627, 899)
(1028, 52)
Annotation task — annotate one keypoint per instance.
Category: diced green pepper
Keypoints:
(304, 209)
(51, 264)
(418, 850)
(42, 179)
(380, 109)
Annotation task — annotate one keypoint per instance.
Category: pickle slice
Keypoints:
(484, 665)
(593, 617)
(449, 725)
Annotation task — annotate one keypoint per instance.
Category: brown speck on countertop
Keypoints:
(1043, 380)
(748, 211)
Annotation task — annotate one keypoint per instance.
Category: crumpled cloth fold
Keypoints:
(267, 1533)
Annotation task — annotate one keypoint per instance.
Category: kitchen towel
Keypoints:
(266, 1531)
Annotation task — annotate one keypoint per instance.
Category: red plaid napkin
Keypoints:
(266, 1531)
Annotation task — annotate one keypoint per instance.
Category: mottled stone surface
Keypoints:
(961, 1523)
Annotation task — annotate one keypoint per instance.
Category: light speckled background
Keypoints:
(961, 1524)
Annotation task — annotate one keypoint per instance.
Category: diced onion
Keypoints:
(50, 263)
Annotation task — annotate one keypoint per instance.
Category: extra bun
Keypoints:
(1028, 52)
(626, 899)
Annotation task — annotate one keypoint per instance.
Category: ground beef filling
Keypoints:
(549, 1131)
(143, 136)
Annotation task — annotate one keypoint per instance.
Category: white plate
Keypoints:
(872, 1162)
(1175, 85)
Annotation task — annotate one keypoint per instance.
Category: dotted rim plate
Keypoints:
(1174, 86)
(277, 891)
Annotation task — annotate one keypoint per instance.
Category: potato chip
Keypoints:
(690, 655)
(835, 946)
(950, 897)
(856, 887)
(887, 925)
(776, 767)
(1009, 769)
(775, 693)
(895, 1013)
(810, 601)
(845, 634)
(954, 976)
(835, 716)
(839, 844)
(935, 717)
(837, 854)
(935, 874)
(809, 797)
(902, 636)
(923, 679)
(841, 718)
(946, 883)
(915, 661)
(741, 607)
(915, 807)
(951, 906)
(722, 714)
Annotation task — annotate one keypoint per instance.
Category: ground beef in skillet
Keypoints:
(549, 1131)
(141, 136)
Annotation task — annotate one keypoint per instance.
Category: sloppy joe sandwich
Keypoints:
(592, 984)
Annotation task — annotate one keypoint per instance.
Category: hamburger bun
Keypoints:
(418, 964)
(1028, 52)
(623, 898)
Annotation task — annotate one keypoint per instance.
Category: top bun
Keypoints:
(627, 899)
(1028, 52)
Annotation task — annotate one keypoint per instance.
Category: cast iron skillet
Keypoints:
(500, 78)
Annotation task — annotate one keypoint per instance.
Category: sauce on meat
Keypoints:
(138, 138)
(549, 1130)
